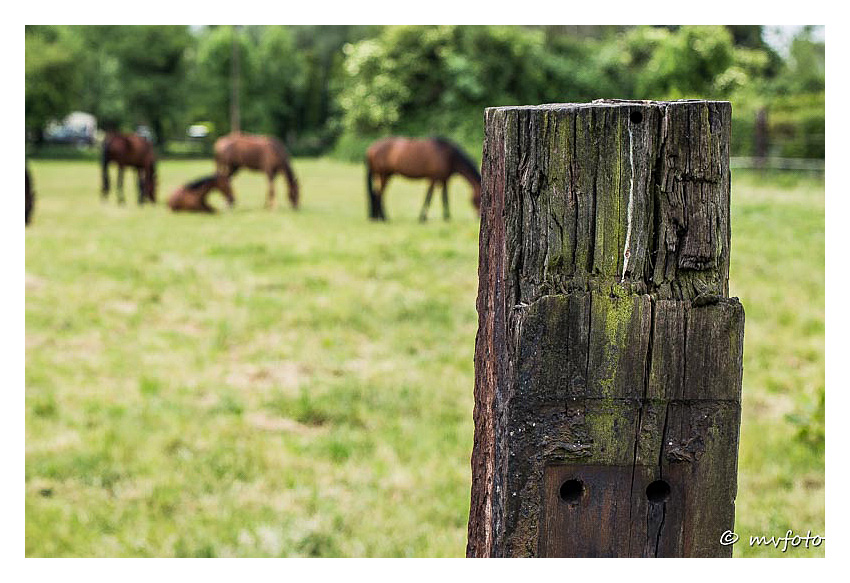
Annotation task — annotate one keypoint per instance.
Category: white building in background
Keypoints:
(78, 127)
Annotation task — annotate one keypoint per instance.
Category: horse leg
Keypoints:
(229, 170)
(228, 195)
(104, 191)
(270, 202)
(204, 206)
(120, 184)
(383, 179)
(446, 200)
(141, 187)
(423, 215)
(371, 196)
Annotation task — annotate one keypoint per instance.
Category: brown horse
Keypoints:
(136, 152)
(433, 158)
(193, 196)
(263, 153)
(29, 196)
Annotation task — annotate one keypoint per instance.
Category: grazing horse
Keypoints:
(433, 158)
(29, 196)
(193, 196)
(263, 153)
(136, 152)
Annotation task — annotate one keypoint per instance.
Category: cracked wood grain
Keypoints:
(608, 352)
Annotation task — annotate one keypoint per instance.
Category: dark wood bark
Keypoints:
(608, 357)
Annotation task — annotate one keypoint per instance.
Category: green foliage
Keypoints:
(438, 79)
(686, 63)
(210, 77)
(798, 122)
(125, 75)
(277, 82)
(271, 78)
(52, 84)
(323, 87)
(285, 81)
(806, 70)
(152, 65)
(139, 72)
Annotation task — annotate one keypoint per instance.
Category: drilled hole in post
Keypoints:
(635, 116)
(571, 491)
(658, 491)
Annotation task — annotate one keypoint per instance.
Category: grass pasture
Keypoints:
(300, 384)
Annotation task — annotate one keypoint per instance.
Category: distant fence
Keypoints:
(184, 149)
(774, 163)
(789, 135)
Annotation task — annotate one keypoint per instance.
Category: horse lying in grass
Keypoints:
(433, 158)
(263, 153)
(193, 196)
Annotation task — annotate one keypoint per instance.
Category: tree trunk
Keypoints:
(608, 359)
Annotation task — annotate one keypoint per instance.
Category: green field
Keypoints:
(300, 384)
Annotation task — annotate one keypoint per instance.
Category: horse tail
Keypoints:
(292, 181)
(374, 203)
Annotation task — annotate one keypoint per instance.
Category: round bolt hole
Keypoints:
(658, 491)
(635, 116)
(571, 491)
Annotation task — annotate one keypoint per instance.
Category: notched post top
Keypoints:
(615, 193)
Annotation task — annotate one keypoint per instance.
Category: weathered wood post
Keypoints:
(608, 359)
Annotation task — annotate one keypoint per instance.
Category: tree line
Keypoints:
(333, 89)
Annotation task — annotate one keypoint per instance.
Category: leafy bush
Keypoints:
(324, 87)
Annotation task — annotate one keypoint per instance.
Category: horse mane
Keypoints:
(461, 157)
(202, 181)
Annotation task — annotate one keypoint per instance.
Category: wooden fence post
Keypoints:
(608, 359)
